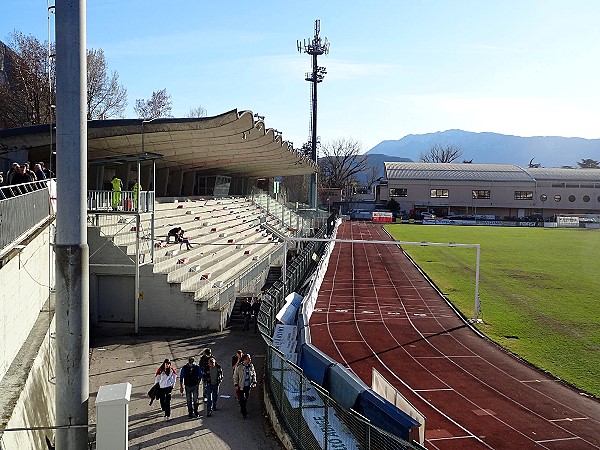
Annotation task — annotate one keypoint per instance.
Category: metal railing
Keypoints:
(313, 420)
(23, 207)
(120, 201)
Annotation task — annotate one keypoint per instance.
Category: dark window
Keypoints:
(523, 195)
(586, 198)
(439, 193)
(543, 197)
(573, 185)
(398, 192)
(571, 198)
(558, 184)
(481, 194)
(557, 198)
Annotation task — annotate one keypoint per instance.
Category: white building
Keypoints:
(502, 190)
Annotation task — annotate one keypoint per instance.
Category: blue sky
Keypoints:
(528, 68)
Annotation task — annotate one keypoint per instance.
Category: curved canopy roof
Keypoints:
(233, 144)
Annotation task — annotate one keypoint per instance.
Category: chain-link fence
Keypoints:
(313, 420)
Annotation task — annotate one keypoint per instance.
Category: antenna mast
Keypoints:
(314, 47)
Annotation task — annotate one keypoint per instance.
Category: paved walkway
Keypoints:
(134, 359)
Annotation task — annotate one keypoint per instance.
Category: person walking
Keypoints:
(255, 311)
(246, 310)
(244, 379)
(204, 367)
(212, 379)
(190, 376)
(236, 359)
(117, 186)
(166, 376)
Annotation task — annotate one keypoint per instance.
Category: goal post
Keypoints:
(477, 247)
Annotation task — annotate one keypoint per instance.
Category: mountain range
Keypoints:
(488, 148)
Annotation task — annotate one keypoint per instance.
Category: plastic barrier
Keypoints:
(315, 363)
(386, 416)
(343, 386)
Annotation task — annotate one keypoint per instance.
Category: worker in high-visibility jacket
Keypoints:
(117, 185)
(136, 188)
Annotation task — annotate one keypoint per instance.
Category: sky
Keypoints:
(398, 67)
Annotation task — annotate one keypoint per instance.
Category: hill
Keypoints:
(549, 151)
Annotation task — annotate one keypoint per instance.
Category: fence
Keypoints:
(120, 201)
(23, 207)
(313, 420)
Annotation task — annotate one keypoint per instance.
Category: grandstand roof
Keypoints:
(232, 143)
(484, 172)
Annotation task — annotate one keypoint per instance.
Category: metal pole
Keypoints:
(153, 202)
(313, 176)
(477, 301)
(284, 266)
(72, 252)
(137, 272)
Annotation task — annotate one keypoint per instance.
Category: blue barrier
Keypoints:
(344, 387)
(303, 332)
(314, 363)
(387, 416)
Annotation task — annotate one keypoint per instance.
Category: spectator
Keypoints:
(255, 311)
(236, 359)
(166, 376)
(47, 172)
(176, 232)
(19, 176)
(244, 379)
(29, 173)
(246, 310)
(204, 367)
(212, 379)
(184, 240)
(39, 173)
(11, 173)
(190, 375)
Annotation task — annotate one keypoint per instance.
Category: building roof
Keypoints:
(232, 143)
(456, 172)
(544, 173)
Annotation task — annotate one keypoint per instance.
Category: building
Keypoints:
(500, 190)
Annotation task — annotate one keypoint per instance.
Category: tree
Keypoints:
(340, 164)
(27, 84)
(25, 94)
(105, 96)
(393, 205)
(589, 164)
(296, 188)
(159, 105)
(199, 111)
(440, 154)
(372, 175)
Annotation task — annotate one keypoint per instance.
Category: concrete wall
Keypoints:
(35, 405)
(24, 290)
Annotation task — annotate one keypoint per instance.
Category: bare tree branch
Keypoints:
(440, 154)
(159, 105)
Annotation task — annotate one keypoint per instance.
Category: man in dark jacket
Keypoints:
(212, 379)
(190, 376)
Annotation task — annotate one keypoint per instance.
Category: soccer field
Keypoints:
(539, 290)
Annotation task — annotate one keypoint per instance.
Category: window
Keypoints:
(572, 185)
(543, 197)
(586, 198)
(558, 184)
(439, 193)
(523, 195)
(398, 192)
(481, 194)
(557, 198)
(571, 198)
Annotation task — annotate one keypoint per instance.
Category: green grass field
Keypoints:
(539, 290)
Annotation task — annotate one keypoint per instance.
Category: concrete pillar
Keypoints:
(189, 180)
(162, 181)
(99, 178)
(176, 184)
(146, 177)
(112, 413)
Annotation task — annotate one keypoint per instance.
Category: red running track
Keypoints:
(375, 309)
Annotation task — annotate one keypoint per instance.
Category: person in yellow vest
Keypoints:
(117, 185)
(136, 188)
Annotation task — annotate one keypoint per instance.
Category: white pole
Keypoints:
(477, 301)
